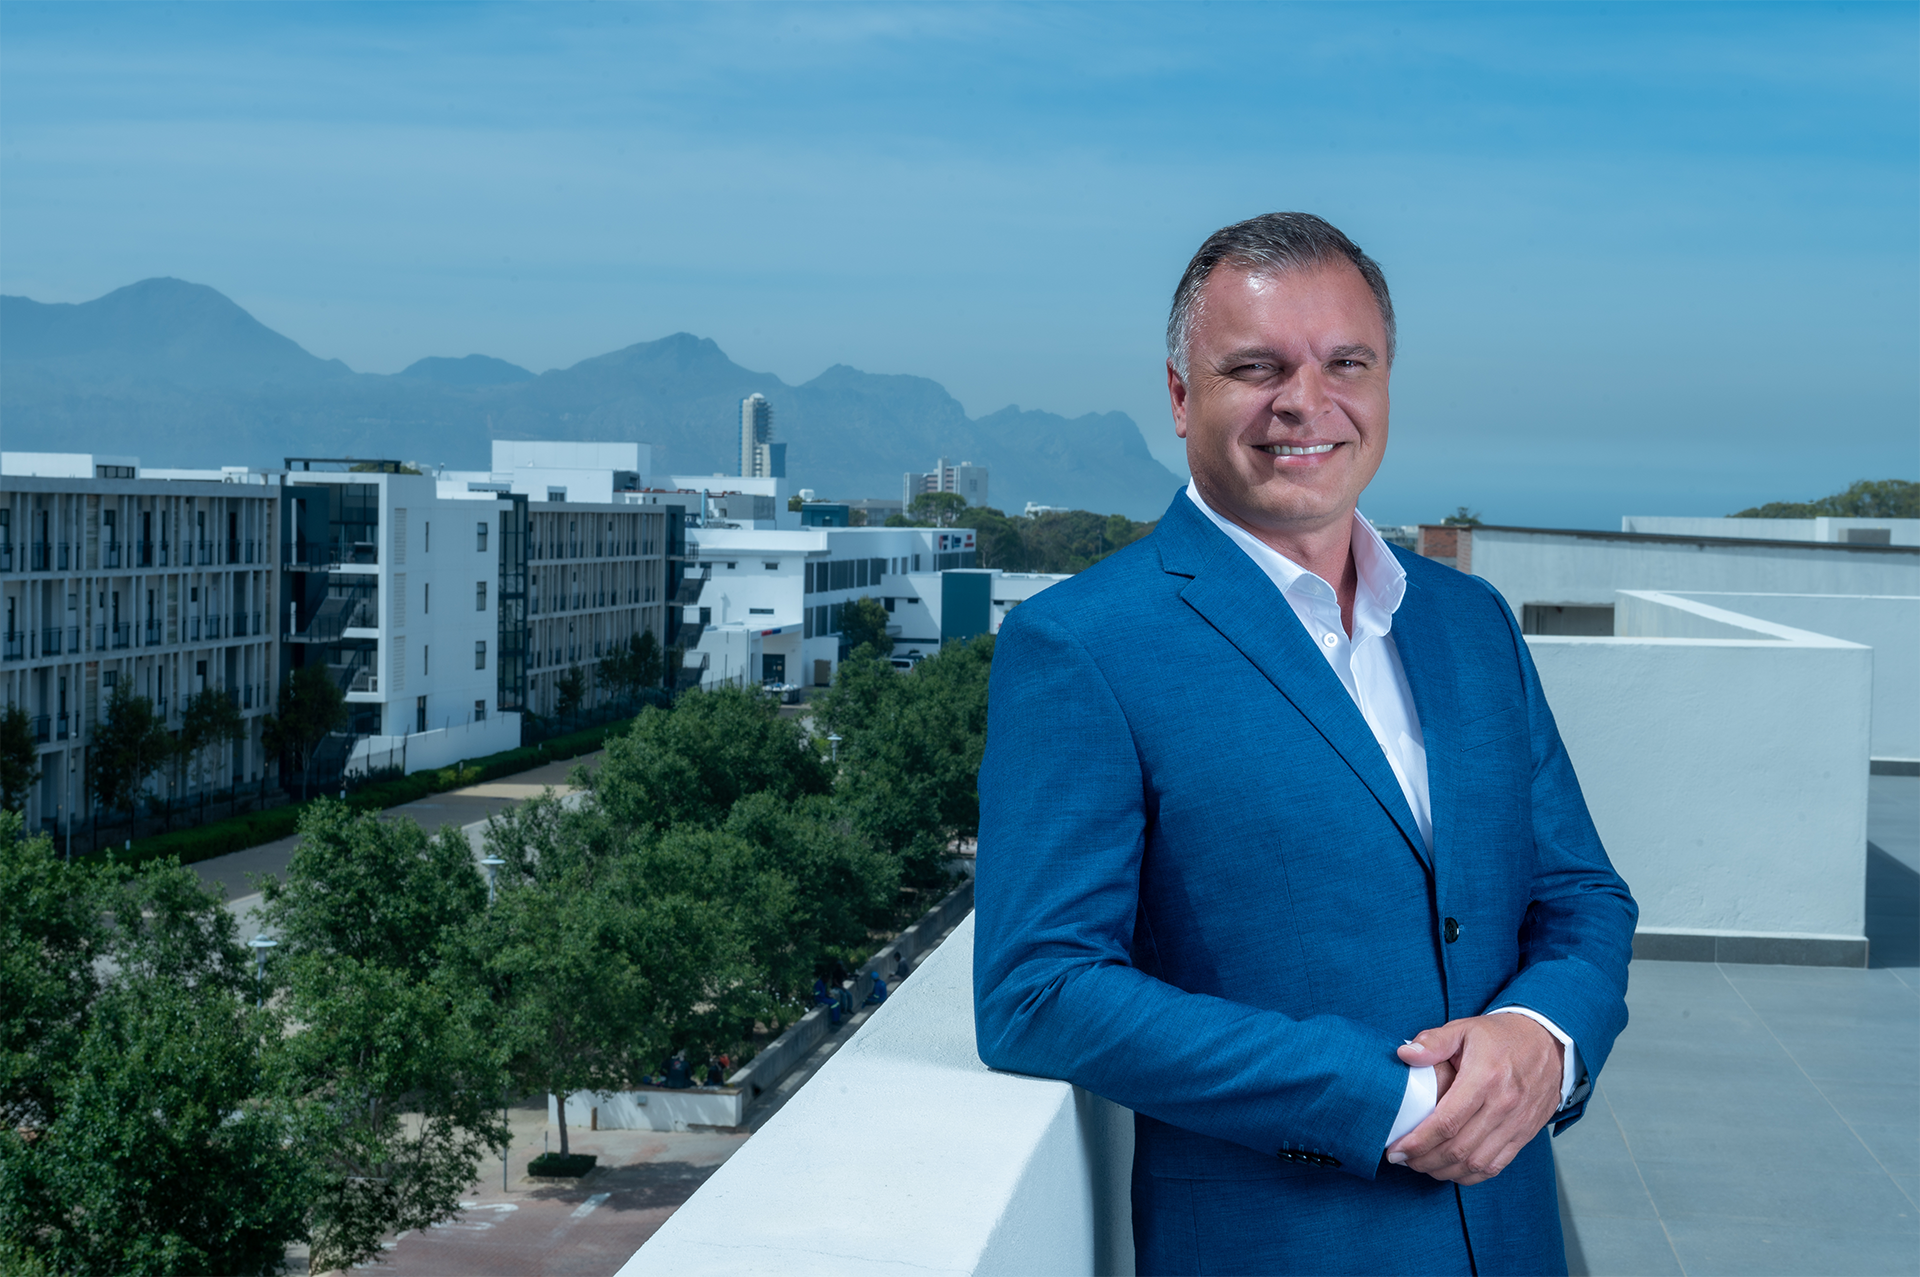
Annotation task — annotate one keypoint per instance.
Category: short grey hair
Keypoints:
(1272, 242)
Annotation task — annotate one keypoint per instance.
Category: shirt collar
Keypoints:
(1382, 581)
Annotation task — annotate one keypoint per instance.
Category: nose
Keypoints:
(1302, 397)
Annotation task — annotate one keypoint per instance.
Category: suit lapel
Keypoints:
(1234, 596)
(1427, 656)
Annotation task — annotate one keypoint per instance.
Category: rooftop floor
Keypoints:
(1763, 1119)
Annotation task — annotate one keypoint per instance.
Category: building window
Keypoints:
(760, 611)
(480, 711)
(426, 538)
(426, 661)
(479, 596)
(480, 537)
(426, 598)
(480, 654)
(771, 567)
(732, 566)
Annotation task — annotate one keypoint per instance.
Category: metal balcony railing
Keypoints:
(193, 628)
(153, 634)
(15, 645)
(99, 636)
(6, 556)
(122, 634)
(42, 728)
(60, 726)
(50, 640)
(41, 556)
(109, 554)
(66, 554)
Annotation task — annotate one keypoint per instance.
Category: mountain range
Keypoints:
(179, 375)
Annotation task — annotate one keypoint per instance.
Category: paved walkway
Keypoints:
(1759, 1119)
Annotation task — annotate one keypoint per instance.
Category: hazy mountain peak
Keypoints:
(473, 370)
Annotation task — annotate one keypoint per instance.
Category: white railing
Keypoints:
(953, 1168)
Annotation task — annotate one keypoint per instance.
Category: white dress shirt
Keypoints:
(1368, 665)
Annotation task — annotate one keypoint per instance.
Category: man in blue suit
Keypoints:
(1279, 846)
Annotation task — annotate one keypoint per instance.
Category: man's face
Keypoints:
(1284, 408)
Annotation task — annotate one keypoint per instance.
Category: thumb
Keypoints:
(1434, 1045)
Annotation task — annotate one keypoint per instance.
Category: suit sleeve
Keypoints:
(1577, 939)
(1064, 817)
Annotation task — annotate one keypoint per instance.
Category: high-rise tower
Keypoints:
(760, 456)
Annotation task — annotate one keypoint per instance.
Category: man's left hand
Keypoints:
(1505, 1086)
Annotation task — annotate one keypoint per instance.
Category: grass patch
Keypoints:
(572, 1165)
(253, 829)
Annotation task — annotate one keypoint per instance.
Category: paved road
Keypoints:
(236, 874)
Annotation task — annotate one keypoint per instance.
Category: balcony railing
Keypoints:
(99, 636)
(153, 634)
(61, 724)
(42, 555)
(1044, 1187)
(42, 728)
(50, 640)
(109, 554)
(15, 645)
(122, 633)
(6, 556)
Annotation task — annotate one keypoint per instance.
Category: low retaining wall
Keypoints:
(651, 1109)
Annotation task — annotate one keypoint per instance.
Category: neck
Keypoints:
(1324, 549)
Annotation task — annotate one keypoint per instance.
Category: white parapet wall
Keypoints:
(951, 1167)
(1725, 761)
(1887, 623)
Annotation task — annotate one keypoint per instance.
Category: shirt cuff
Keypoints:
(1569, 1053)
(1421, 1097)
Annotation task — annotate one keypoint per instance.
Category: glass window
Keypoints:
(480, 654)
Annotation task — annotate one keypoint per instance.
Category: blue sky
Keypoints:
(1647, 258)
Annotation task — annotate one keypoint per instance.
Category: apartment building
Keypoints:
(111, 577)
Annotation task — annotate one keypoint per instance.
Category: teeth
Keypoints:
(1287, 450)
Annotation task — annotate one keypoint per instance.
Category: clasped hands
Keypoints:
(1499, 1081)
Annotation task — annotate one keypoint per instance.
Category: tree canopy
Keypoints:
(1866, 499)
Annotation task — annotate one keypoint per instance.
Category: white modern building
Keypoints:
(111, 577)
(967, 479)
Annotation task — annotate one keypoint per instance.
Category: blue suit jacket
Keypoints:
(1202, 895)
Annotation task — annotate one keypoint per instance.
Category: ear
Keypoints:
(1177, 397)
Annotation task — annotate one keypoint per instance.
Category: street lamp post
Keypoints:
(492, 864)
(260, 944)
(833, 741)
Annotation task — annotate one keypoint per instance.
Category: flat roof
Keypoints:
(1674, 538)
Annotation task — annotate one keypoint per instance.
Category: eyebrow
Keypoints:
(1355, 350)
(1352, 350)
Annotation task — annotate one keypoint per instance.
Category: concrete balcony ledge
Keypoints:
(948, 1166)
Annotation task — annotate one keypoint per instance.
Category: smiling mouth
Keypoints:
(1288, 450)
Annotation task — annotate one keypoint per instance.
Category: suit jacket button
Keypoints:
(1451, 930)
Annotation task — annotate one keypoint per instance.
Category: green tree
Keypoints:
(863, 623)
(592, 968)
(309, 706)
(164, 1157)
(19, 760)
(693, 762)
(211, 719)
(937, 509)
(910, 753)
(53, 934)
(385, 1032)
(142, 1134)
(129, 746)
(1000, 541)
(1462, 518)
(1865, 499)
(1074, 540)
(570, 692)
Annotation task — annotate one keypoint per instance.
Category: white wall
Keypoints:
(1727, 773)
(1902, 531)
(1552, 567)
(939, 1165)
(442, 565)
(441, 747)
(1889, 624)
